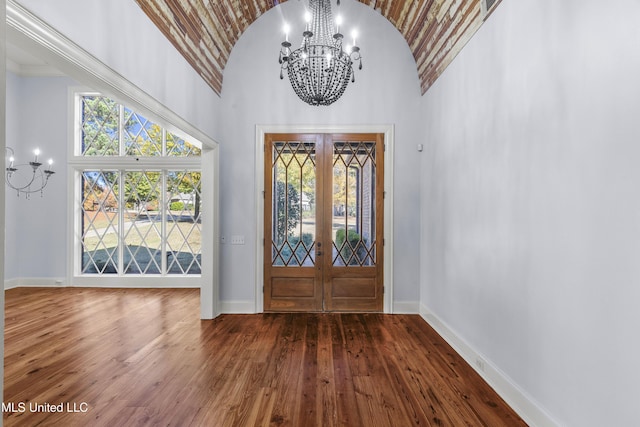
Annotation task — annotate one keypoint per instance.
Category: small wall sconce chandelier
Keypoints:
(27, 178)
(321, 68)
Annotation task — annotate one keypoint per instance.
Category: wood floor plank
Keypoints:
(309, 373)
(326, 404)
(143, 357)
(345, 392)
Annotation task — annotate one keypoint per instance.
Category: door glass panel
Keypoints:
(293, 204)
(353, 206)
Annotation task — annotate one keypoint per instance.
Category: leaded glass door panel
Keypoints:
(353, 230)
(323, 222)
(293, 270)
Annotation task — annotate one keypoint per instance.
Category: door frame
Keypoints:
(388, 131)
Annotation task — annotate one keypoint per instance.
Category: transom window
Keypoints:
(112, 129)
(138, 209)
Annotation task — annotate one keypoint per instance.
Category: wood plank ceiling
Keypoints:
(205, 31)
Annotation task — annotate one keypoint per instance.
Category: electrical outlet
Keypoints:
(223, 239)
(237, 240)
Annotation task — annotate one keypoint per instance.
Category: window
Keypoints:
(138, 194)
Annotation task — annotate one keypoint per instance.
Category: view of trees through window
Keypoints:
(144, 220)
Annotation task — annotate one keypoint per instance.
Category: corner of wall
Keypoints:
(406, 307)
(237, 307)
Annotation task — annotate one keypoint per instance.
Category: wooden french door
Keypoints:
(323, 222)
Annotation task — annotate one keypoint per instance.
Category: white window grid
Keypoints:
(121, 165)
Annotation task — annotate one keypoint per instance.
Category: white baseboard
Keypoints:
(237, 307)
(103, 282)
(528, 409)
(11, 283)
(406, 307)
(142, 282)
(35, 282)
(249, 307)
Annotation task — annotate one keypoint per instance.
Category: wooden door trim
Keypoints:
(256, 305)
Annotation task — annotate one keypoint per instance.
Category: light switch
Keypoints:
(237, 240)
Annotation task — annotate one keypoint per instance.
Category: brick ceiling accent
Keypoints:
(205, 31)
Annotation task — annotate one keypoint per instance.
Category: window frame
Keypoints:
(122, 163)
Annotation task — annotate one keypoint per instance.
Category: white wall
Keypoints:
(386, 92)
(119, 34)
(37, 236)
(3, 110)
(530, 202)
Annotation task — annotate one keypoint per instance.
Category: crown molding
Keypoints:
(28, 32)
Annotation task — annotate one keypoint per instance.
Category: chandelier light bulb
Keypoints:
(27, 178)
(286, 29)
(307, 19)
(354, 35)
(338, 23)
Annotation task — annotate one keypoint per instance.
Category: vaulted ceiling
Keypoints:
(205, 31)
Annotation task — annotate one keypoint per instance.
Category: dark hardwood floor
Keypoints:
(143, 357)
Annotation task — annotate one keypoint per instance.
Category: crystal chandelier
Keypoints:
(320, 69)
(27, 178)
